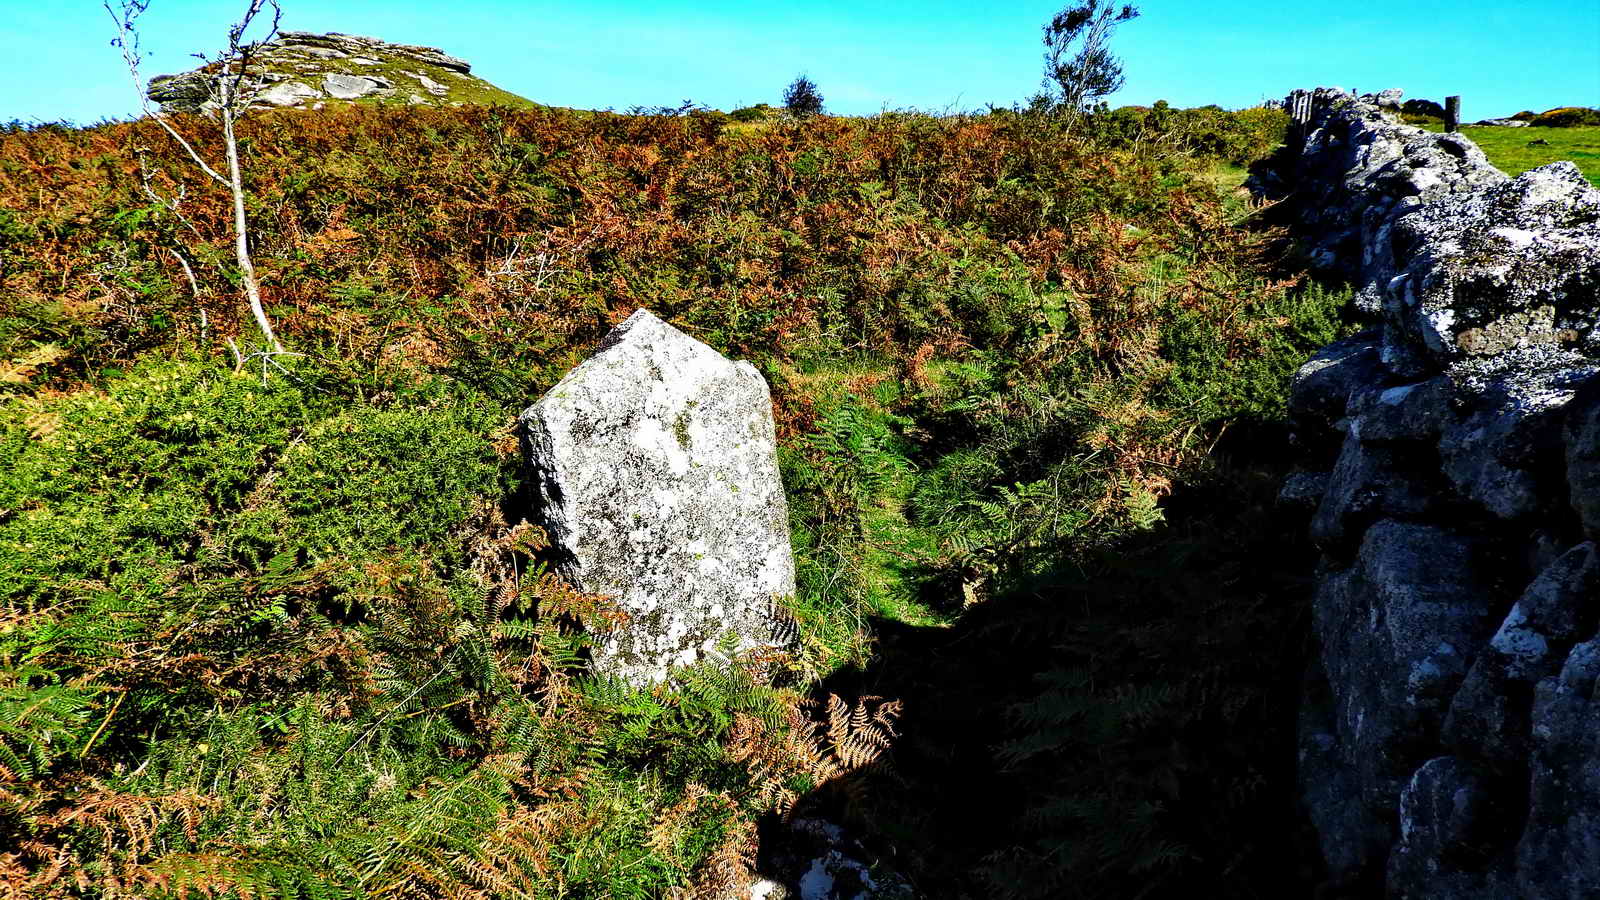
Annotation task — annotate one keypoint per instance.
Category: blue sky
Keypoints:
(1499, 55)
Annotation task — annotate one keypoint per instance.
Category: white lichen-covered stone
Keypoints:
(431, 86)
(656, 459)
(349, 87)
(288, 93)
(1510, 266)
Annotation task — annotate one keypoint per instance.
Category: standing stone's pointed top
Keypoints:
(644, 325)
(642, 315)
(657, 464)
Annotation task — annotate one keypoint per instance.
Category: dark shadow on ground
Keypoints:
(1122, 729)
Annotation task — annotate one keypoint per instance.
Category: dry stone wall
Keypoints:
(1450, 737)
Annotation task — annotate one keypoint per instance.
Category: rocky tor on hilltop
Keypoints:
(305, 70)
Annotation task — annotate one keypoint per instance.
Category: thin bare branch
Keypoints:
(172, 205)
(127, 41)
(194, 286)
(228, 81)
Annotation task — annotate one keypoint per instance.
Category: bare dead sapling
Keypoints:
(231, 86)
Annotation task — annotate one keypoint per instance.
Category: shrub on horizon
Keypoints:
(801, 98)
(1566, 117)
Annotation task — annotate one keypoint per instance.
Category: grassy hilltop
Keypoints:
(286, 633)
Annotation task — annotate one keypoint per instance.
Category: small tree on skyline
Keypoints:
(1093, 71)
(802, 98)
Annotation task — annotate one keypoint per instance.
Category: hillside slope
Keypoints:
(287, 631)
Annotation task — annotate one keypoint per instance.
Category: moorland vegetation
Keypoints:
(289, 632)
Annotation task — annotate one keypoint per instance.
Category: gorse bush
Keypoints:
(291, 635)
(1235, 137)
(302, 616)
(758, 113)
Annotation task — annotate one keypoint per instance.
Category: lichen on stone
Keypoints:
(658, 469)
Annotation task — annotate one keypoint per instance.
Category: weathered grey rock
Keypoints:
(1319, 395)
(1445, 813)
(187, 92)
(1438, 744)
(1353, 838)
(193, 92)
(1490, 716)
(1527, 370)
(1560, 607)
(348, 44)
(303, 69)
(1403, 413)
(1501, 123)
(657, 464)
(1354, 174)
(1398, 632)
(1510, 266)
(1388, 99)
(349, 87)
(437, 57)
(317, 52)
(288, 93)
(1505, 454)
(1559, 853)
(429, 85)
(1322, 385)
(1369, 482)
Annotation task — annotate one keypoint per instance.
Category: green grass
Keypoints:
(1509, 148)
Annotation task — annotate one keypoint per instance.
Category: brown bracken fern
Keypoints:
(830, 745)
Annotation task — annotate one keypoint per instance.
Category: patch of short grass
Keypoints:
(1516, 150)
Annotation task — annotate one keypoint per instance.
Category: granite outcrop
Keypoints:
(306, 70)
